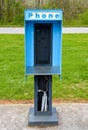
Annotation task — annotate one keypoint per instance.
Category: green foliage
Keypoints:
(84, 18)
(74, 11)
(74, 84)
(19, 13)
(12, 13)
(81, 20)
(52, 5)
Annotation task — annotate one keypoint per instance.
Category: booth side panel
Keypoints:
(57, 44)
(61, 53)
(29, 47)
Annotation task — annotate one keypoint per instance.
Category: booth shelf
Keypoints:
(43, 70)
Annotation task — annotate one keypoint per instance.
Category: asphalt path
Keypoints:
(11, 30)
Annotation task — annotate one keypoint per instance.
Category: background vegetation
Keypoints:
(74, 84)
(75, 11)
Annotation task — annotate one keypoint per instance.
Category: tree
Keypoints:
(1, 10)
(39, 3)
(9, 11)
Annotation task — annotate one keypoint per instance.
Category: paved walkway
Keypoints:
(11, 30)
(72, 116)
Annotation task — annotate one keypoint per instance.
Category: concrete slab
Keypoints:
(13, 30)
(72, 116)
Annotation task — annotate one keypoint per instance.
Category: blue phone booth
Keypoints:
(43, 55)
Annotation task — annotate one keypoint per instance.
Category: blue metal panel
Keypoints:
(56, 43)
(57, 38)
(29, 44)
(61, 52)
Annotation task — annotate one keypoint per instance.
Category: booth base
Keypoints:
(36, 120)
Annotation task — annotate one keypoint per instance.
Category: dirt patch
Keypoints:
(32, 101)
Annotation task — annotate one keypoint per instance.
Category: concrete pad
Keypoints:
(72, 116)
(14, 30)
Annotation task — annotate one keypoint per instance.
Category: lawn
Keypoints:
(74, 83)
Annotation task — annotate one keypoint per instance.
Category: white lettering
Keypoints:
(44, 15)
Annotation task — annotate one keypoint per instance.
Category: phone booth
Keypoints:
(43, 52)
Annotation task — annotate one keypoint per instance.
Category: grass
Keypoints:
(74, 84)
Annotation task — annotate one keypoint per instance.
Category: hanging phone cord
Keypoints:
(44, 97)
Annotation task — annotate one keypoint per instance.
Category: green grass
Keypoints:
(74, 84)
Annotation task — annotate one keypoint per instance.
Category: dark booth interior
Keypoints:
(42, 53)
